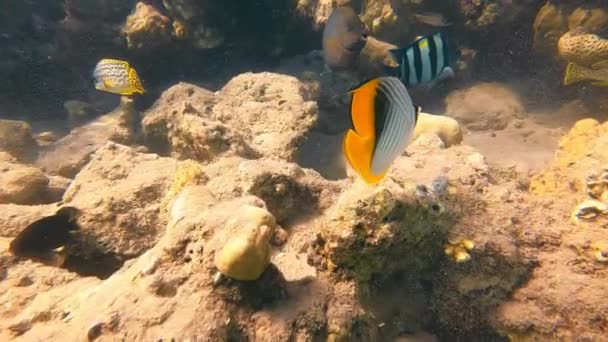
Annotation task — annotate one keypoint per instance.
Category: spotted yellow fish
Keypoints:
(597, 74)
(117, 76)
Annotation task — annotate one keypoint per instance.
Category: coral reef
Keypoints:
(146, 28)
(221, 209)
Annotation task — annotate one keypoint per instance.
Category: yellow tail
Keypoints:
(575, 73)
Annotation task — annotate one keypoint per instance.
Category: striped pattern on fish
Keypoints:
(425, 60)
(383, 121)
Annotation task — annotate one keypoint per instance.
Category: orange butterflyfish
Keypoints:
(383, 121)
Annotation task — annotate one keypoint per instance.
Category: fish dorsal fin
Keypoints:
(600, 65)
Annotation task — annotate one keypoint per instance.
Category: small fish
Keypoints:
(383, 120)
(426, 62)
(577, 73)
(432, 19)
(47, 236)
(117, 76)
(343, 38)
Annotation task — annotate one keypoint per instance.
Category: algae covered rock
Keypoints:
(17, 140)
(246, 253)
(380, 231)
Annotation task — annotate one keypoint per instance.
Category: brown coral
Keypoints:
(146, 27)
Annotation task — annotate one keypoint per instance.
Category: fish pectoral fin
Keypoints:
(59, 249)
(108, 84)
(601, 83)
(358, 152)
(600, 65)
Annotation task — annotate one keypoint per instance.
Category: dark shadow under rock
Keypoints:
(264, 292)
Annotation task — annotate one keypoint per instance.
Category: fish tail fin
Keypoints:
(574, 74)
(358, 153)
(135, 82)
(432, 19)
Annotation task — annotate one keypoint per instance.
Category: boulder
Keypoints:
(17, 140)
(21, 184)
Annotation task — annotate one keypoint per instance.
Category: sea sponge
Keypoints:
(444, 127)
(582, 48)
(188, 172)
(246, 254)
(458, 250)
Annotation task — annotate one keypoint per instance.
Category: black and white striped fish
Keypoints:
(426, 62)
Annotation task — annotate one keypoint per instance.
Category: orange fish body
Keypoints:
(380, 132)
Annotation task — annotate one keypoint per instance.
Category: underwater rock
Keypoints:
(175, 102)
(122, 207)
(485, 106)
(21, 184)
(246, 253)
(57, 187)
(273, 112)
(17, 140)
(581, 151)
(376, 232)
(69, 154)
(181, 124)
(444, 127)
(146, 28)
(193, 137)
(289, 191)
(583, 48)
